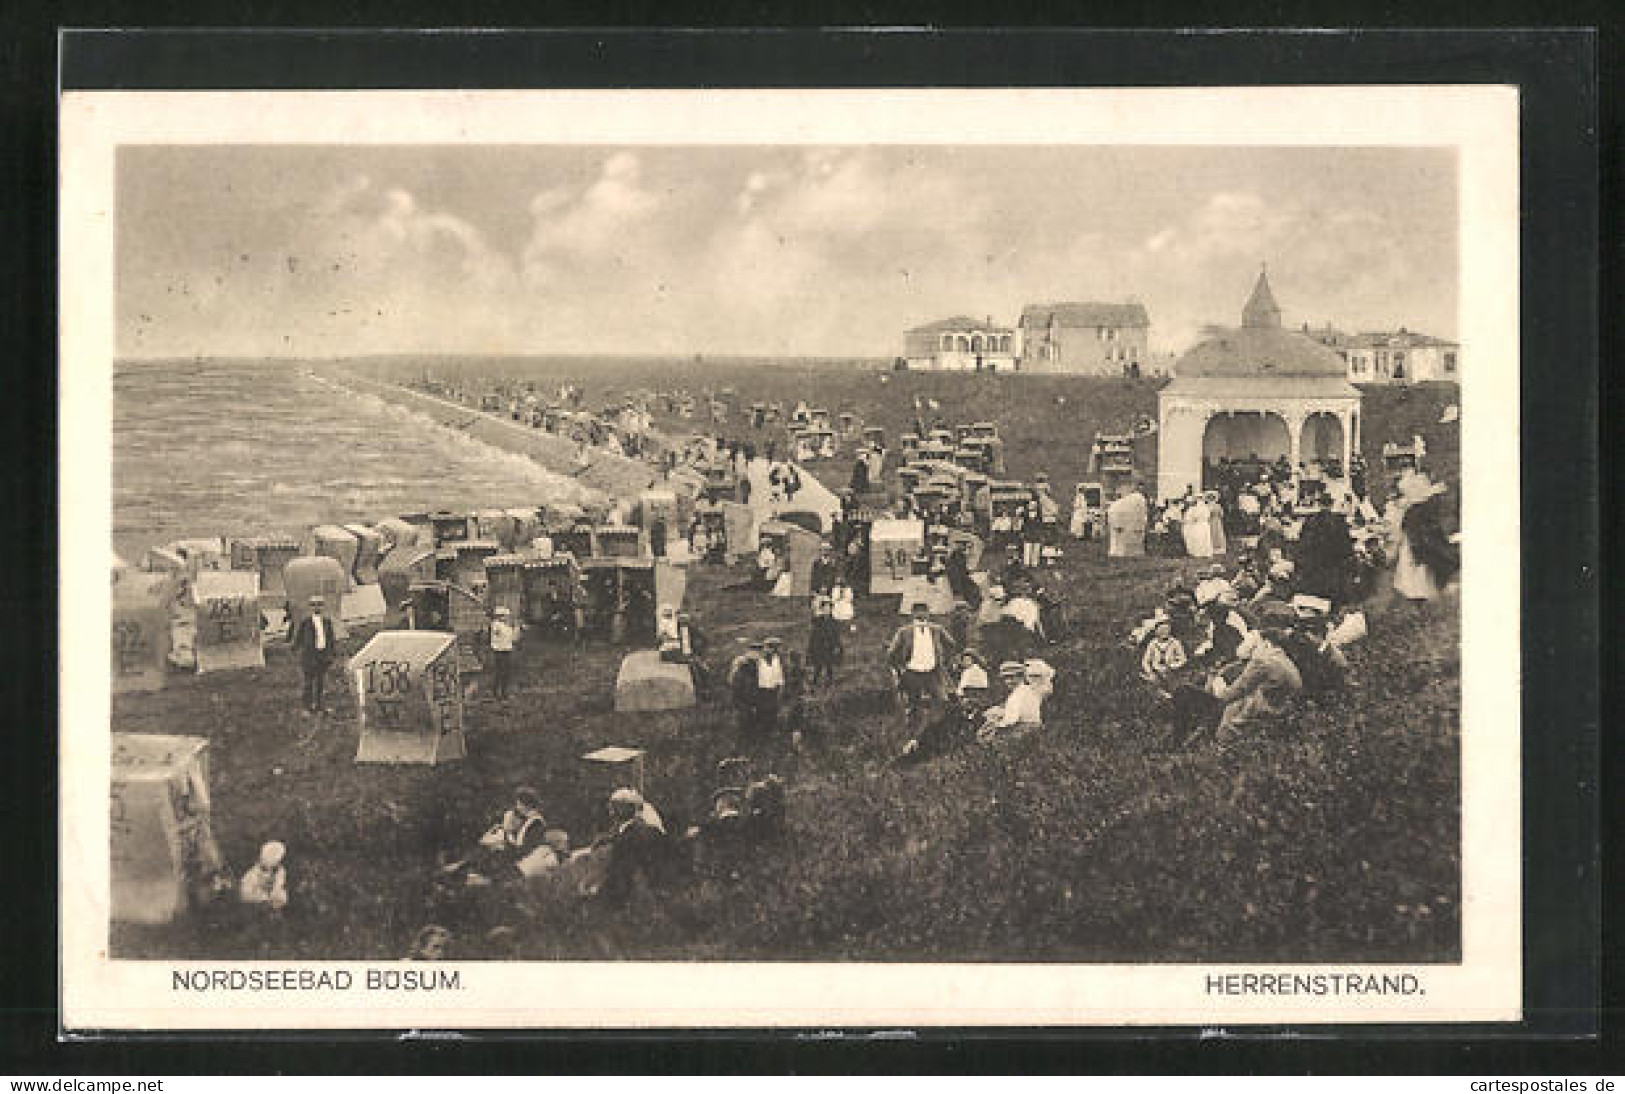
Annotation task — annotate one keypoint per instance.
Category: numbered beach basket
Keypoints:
(227, 635)
(411, 699)
(161, 841)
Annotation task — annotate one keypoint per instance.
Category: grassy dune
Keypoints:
(1048, 422)
(1333, 837)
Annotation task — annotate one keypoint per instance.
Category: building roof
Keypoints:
(1084, 314)
(1373, 339)
(1328, 335)
(1259, 349)
(1259, 352)
(957, 324)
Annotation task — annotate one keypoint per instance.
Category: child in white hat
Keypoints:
(266, 882)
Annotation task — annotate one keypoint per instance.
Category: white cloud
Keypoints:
(369, 270)
(599, 223)
(771, 250)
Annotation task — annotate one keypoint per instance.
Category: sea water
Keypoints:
(210, 448)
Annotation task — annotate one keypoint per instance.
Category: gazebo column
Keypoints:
(1347, 419)
(1294, 437)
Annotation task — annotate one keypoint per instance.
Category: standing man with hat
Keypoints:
(770, 686)
(919, 655)
(313, 639)
(825, 569)
(504, 640)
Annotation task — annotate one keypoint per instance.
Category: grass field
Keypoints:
(1333, 837)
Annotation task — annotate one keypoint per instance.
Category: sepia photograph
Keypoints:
(663, 545)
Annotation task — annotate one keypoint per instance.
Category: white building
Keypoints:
(961, 344)
(1392, 357)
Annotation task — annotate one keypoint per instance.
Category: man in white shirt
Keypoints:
(769, 687)
(504, 640)
(920, 655)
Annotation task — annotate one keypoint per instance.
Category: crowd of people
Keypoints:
(1298, 553)
(1229, 651)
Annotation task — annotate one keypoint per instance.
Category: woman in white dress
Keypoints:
(1198, 529)
(1215, 521)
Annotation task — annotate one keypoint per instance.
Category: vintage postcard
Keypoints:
(904, 559)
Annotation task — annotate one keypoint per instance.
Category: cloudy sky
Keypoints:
(332, 251)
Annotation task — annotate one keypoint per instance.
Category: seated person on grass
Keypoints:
(1162, 659)
(635, 843)
(505, 844)
(1023, 708)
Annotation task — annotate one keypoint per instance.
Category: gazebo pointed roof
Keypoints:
(1260, 349)
(1261, 309)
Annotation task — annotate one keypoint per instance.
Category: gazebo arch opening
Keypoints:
(1322, 438)
(1246, 435)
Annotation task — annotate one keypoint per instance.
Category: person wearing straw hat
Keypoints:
(504, 641)
(1022, 709)
(771, 679)
(920, 655)
(1163, 655)
(313, 639)
(1323, 666)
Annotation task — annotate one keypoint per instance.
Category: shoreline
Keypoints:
(611, 475)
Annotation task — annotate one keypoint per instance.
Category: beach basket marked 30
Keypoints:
(893, 545)
(411, 698)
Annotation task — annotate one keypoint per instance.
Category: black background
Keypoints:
(1566, 133)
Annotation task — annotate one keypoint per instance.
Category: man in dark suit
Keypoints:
(743, 675)
(920, 656)
(1324, 554)
(825, 569)
(313, 639)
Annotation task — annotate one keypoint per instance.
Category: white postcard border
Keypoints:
(1479, 121)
